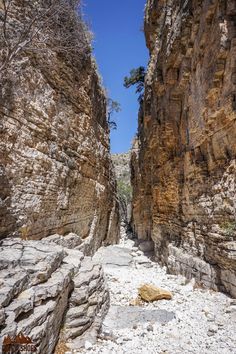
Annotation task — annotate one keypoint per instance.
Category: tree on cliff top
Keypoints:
(28, 26)
(136, 78)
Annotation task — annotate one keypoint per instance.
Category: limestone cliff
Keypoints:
(122, 171)
(55, 170)
(183, 164)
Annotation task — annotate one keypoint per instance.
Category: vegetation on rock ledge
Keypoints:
(136, 78)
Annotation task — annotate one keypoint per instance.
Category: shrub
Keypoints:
(38, 26)
(136, 78)
(124, 192)
(229, 227)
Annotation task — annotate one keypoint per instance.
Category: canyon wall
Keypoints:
(55, 169)
(183, 163)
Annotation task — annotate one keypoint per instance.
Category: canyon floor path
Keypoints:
(194, 321)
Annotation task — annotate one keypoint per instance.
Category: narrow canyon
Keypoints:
(124, 253)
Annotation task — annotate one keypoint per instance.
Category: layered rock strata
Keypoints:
(55, 170)
(183, 164)
(47, 289)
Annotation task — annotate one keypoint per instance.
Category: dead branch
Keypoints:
(39, 26)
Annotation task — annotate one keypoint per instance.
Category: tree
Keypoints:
(136, 78)
(112, 107)
(37, 26)
(124, 191)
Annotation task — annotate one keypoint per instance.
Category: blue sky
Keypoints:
(119, 46)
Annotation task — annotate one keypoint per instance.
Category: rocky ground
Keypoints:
(194, 321)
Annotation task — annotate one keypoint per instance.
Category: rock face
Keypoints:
(58, 199)
(56, 174)
(88, 305)
(121, 164)
(122, 171)
(47, 288)
(183, 163)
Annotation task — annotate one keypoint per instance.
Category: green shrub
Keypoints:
(136, 78)
(124, 191)
(229, 227)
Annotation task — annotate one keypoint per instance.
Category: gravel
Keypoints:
(198, 320)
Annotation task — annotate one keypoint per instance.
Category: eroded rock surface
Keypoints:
(47, 289)
(183, 163)
(55, 169)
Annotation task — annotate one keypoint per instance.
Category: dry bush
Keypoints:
(40, 25)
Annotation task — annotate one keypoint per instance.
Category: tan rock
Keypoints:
(136, 302)
(150, 293)
(56, 175)
(183, 168)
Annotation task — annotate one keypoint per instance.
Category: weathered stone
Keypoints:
(183, 161)
(88, 345)
(73, 258)
(79, 296)
(151, 293)
(136, 302)
(76, 312)
(88, 305)
(20, 306)
(126, 317)
(70, 240)
(56, 173)
(114, 256)
(37, 308)
(76, 322)
(142, 260)
(57, 186)
(146, 246)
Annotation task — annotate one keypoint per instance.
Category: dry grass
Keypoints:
(61, 348)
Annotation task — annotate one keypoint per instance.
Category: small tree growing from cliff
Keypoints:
(136, 78)
(112, 107)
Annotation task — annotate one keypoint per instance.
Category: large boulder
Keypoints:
(150, 293)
